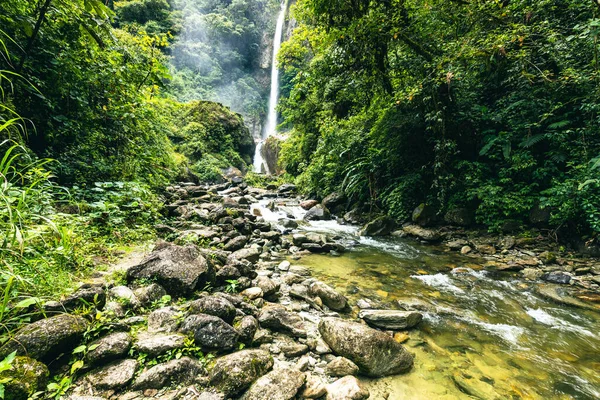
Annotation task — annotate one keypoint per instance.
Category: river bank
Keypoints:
(249, 297)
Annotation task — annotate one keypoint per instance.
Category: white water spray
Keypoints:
(271, 126)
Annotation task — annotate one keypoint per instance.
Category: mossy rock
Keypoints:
(26, 376)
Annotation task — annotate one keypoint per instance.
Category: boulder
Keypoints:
(391, 319)
(149, 294)
(375, 353)
(334, 201)
(268, 286)
(328, 295)
(276, 317)
(235, 372)
(308, 204)
(46, 338)
(181, 270)
(317, 213)
(246, 326)
(109, 348)
(85, 297)
(214, 305)
(253, 293)
(24, 377)
(236, 243)
(293, 349)
(341, 366)
(165, 319)
(424, 215)
(287, 188)
(381, 226)
(314, 388)
(124, 296)
(459, 217)
(181, 371)
(155, 344)
(557, 277)
(279, 384)
(210, 332)
(428, 235)
(346, 388)
(250, 253)
(113, 376)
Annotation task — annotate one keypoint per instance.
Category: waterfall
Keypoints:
(271, 126)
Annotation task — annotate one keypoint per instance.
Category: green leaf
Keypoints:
(79, 349)
(77, 365)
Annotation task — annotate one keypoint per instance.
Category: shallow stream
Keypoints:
(486, 334)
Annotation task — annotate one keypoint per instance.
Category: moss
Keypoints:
(27, 376)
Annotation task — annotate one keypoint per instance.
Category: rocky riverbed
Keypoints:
(242, 299)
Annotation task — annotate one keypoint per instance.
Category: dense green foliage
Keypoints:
(490, 105)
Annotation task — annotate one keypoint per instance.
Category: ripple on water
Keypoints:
(440, 281)
(545, 318)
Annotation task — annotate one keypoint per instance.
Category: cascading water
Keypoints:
(270, 127)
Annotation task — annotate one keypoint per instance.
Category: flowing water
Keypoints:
(486, 334)
(271, 125)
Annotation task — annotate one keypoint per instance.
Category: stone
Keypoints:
(314, 387)
(346, 388)
(391, 319)
(293, 349)
(328, 295)
(466, 250)
(181, 371)
(288, 223)
(557, 277)
(334, 201)
(547, 257)
(456, 244)
(165, 319)
(277, 318)
(246, 326)
(252, 293)
(150, 293)
(284, 266)
(424, 215)
(235, 372)
(109, 348)
(236, 243)
(112, 376)
(210, 331)
(375, 353)
(24, 377)
(214, 305)
(532, 274)
(428, 235)
(308, 204)
(299, 239)
(181, 270)
(250, 253)
(84, 297)
(341, 366)
(155, 344)
(46, 338)
(125, 296)
(319, 346)
(268, 286)
(279, 384)
(381, 226)
(460, 217)
(486, 249)
(317, 213)
(287, 188)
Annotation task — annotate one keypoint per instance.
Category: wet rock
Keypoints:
(308, 204)
(46, 338)
(109, 348)
(314, 388)
(246, 326)
(250, 253)
(557, 277)
(149, 294)
(174, 372)
(381, 226)
(24, 377)
(328, 295)
(112, 376)
(288, 223)
(268, 286)
(354, 217)
(317, 213)
(276, 317)
(346, 388)
(532, 274)
(210, 331)
(214, 305)
(410, 304)
(375, 353)
(428, 235)
(180, 270)
(299, 239)
(156, 344)
(474, 387)
(236, 243)
(391, 319)
(459, 217)
(165, 319)
(235, 372)
(456, 244)
(280, 384)
(486, 249)
(341, 366)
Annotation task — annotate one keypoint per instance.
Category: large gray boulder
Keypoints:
(23, 378)
(235, 372)
(174, 372)
(317, 213)
(376, 353)
(179, 269)
(280, 384)
(46, 338)
(328, 295)
(276, 317)
(381, 226)
(391, 319)
(210, 332)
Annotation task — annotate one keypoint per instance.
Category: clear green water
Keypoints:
(488, 335)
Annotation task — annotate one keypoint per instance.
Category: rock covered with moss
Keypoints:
(24, 377)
